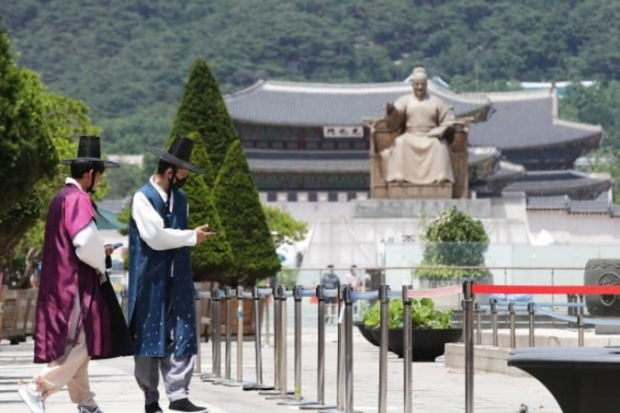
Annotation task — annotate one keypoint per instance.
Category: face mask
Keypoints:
(177, 183)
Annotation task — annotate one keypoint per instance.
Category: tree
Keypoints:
(203, 111)
(284, 228)
(26, 150)
(454, 239)
(243, 218)
(211, 260)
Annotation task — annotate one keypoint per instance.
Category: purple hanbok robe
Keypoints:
(63, 276)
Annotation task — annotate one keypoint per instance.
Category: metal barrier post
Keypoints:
(282, 348)
(227, 368)
(511, 312)
(478, 312)
(198, 311)
(216, 340)
(531, 311)
(407, 351)
(258, 385)
(469, 346)
(320, 385)
(580, 328)
(348, 335)
(494, 322)
(277, 321)
(239, 344)
(297, 397)
(383, 347)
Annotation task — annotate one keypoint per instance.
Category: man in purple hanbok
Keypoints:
(75, 318)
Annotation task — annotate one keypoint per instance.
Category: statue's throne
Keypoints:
(382, 136)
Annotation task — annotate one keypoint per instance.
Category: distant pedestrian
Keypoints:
(330, 281)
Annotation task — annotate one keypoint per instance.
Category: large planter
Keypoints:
(368, 334)
(427, 344)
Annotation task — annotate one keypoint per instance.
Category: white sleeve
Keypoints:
(89, 247)
(151, 227)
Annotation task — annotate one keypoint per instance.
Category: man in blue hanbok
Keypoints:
(161, 290)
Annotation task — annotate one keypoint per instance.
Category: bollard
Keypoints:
(383, 346)
(531, 312)
(478, 312)
(580, 328)
(348, 329)
(257, 346)
(320, 385)
(239, 344)
(228, 345)
(494, 322)
(216, 343)
(277, 307)
(511, 312)
(407, 347)
(198, 312)
(282, 348)
(297, 397)
(469, 346)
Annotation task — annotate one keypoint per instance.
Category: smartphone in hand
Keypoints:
(115, 245)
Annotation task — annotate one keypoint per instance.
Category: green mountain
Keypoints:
(128, 59)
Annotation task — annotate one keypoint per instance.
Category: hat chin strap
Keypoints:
(90, 189)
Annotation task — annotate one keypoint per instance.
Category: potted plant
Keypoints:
(453, 240)
(431, 328)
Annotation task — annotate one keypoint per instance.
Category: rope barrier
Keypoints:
(547, 289)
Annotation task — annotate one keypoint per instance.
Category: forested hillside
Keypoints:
(127, 59)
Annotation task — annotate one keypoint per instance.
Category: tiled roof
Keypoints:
(316, 104)
(527, 119)
(564, 203)
(560, 183)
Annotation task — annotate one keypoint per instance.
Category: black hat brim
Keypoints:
(106, 163)
(175, 161)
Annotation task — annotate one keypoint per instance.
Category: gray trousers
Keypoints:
(176, 371)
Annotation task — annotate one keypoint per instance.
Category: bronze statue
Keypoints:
(420, 154)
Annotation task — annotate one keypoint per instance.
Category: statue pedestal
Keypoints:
(413, 191)
(418, 208)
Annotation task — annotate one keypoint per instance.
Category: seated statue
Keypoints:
(420, 154)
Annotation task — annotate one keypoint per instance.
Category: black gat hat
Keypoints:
(89, 150)
(179, 153)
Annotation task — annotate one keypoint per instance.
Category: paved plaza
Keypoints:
(435, 388)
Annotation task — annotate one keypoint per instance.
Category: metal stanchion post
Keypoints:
(282, 348)
(239, 344)
(348, 335)
(257, 346)
(531, 310)
(228, 366)
(511, 312)
(469, 346)
(216, 341)
(277, 321)
(494, 322)
(580, 328)
(320, 385)
(478, 323)
(298, 399)
(383, 346)
(407, 347)
(198, 312)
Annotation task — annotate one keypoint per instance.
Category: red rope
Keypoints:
(547, 289)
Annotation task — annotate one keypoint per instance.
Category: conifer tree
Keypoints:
(202, 110)
(243, 218)
(212, 260)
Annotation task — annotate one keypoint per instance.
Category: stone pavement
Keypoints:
(435, 388)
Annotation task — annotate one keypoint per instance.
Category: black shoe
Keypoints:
(184, 405)
(153, 408)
